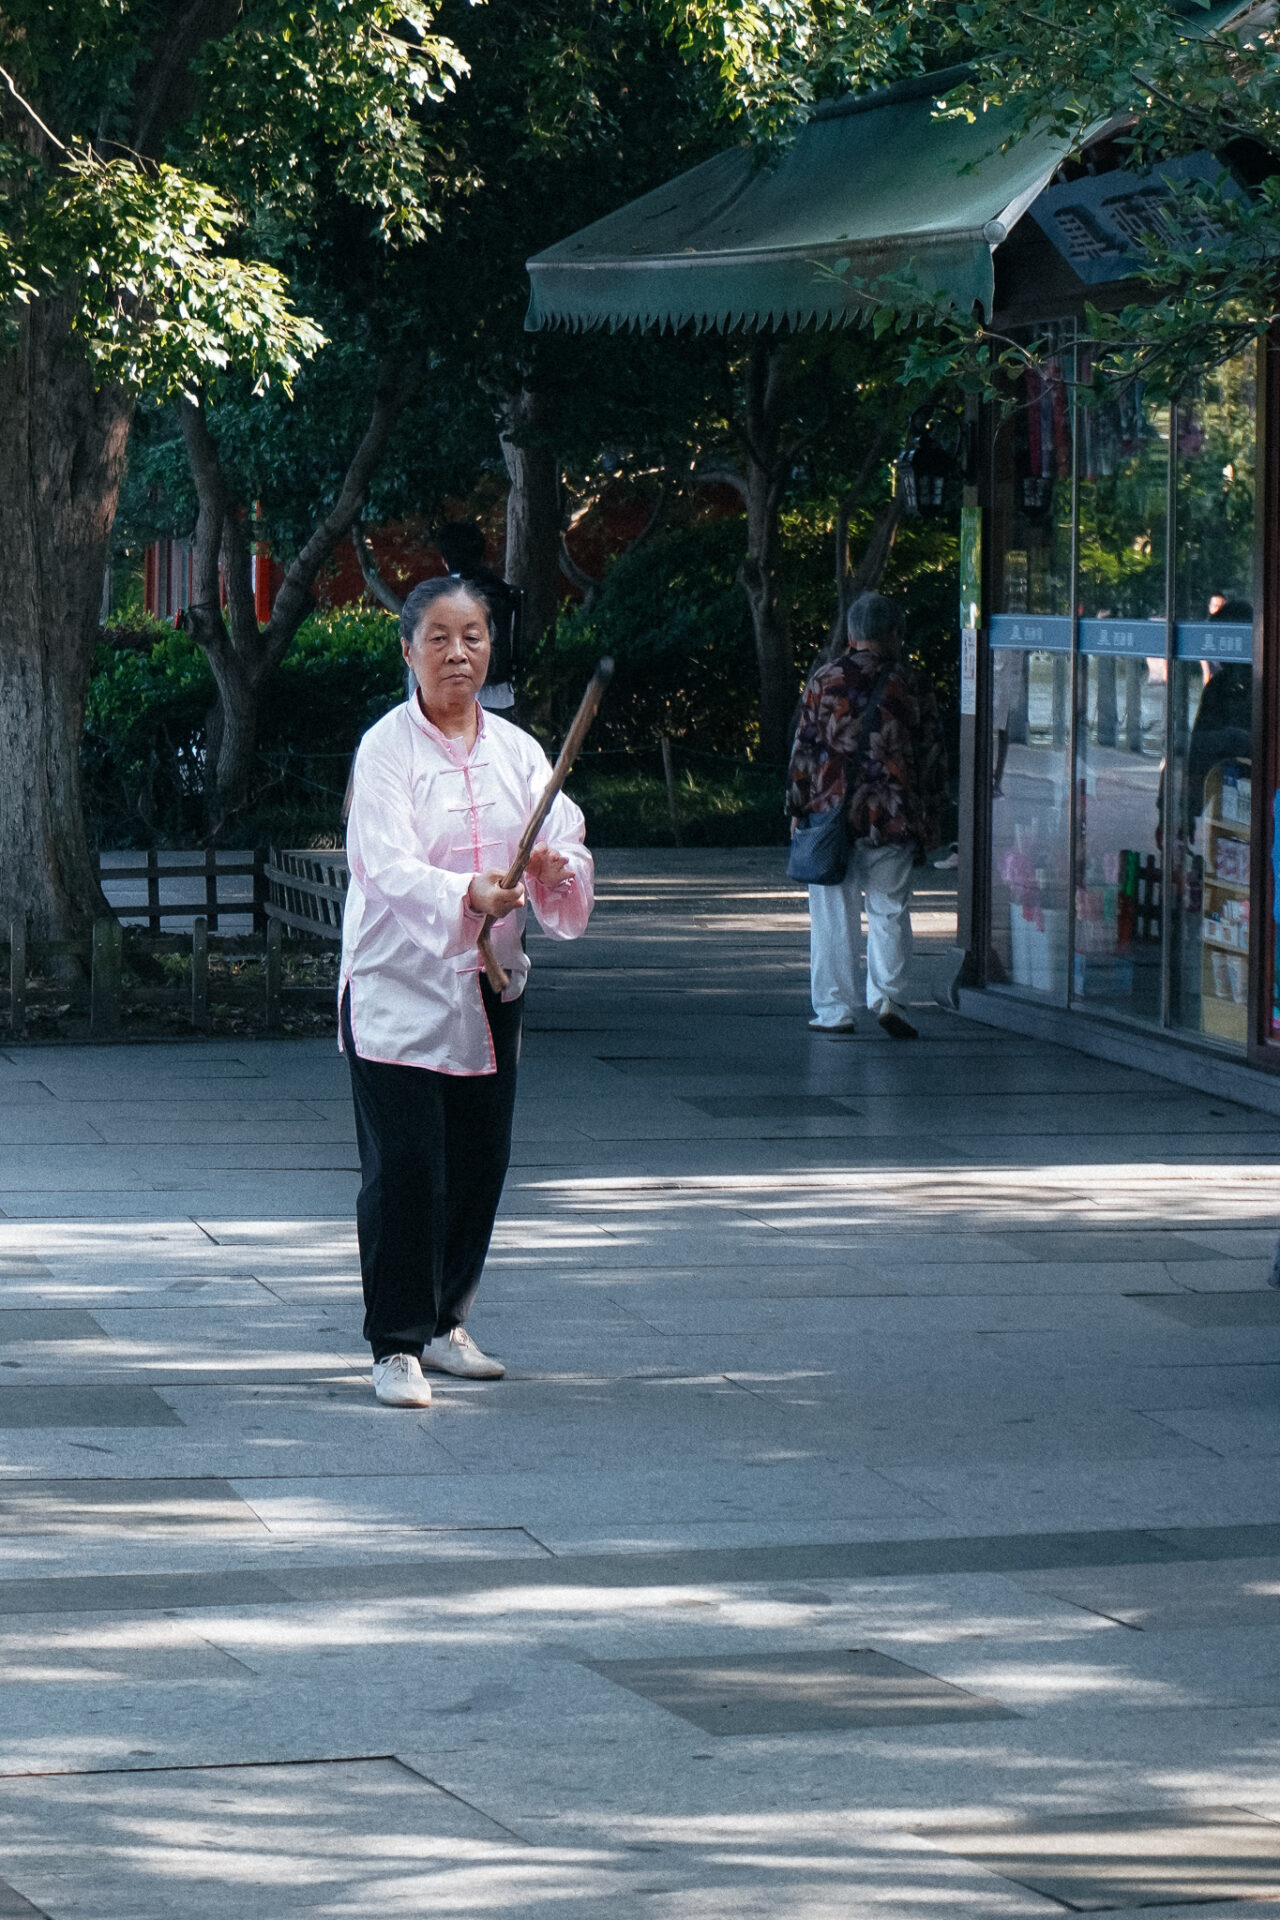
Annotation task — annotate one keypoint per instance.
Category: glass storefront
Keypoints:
(1123, 499)
(1031, 687)
(1123, 538)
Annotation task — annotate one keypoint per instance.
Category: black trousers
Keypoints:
(434, 1149)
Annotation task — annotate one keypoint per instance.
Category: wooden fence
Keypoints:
(201, 865)
(306, 891)
(295, 892)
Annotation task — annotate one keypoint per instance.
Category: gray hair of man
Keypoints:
(874, 622)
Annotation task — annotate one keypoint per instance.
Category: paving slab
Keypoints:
(909, 1409)
(83, 1407)
(787, 1693)
(1097, 1864)
(1185, 1595)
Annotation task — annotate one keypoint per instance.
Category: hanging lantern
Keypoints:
(923, 472)
(1036, 495)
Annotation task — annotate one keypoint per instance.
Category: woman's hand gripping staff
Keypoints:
(495, 972)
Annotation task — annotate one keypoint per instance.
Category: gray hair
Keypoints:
(446, 586)
(873, 621)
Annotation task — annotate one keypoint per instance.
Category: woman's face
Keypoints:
(449, 654)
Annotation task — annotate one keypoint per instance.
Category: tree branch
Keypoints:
(31, 113)
(373, 580)
(722, 477)
(763, 395)
(237, 580)
(213, 509)
(168, 91)
(586, 583)
(875, 555)
(654, 521)
(293, 601)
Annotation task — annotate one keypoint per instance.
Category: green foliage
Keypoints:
(143, 739)
(333, 84)
(673, 617)
(675, 622)
(122, 180)
(161, 301)
(923, 575)
(343, 672)
(1208, 285)
(718, 806)
(148, 709)
(772, 60)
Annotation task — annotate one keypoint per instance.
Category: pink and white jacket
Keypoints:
(426, 815)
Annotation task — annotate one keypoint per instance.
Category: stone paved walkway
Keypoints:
(880, 1516)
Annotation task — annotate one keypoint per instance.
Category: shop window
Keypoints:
(1157, 697)
(1121, 682)
(1211, 774)
(1031, 685)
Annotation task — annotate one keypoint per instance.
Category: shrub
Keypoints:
(142, 752)
(343, 672)
(725, 806)
(674, 619)
(146, 720)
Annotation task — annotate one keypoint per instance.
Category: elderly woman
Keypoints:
(867, 740)
(441, 792)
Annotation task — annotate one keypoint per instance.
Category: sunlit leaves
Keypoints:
(1166, 82)
(281, 111)
(303, 103)
(160, 302)
(774, 58)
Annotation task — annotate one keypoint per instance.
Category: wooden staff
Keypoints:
(496, 974)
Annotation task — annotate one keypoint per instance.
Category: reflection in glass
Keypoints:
(1124, 480)
(1211, 783)
(1030, 685)
(1124, 462)
(1030, 821)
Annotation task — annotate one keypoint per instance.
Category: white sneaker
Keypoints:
(895, 1022)
(398, 1382)
(457, 1352)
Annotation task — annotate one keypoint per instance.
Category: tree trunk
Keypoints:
(240, 690)
(533, 513)
(62, 448)
(875, 555)
(759, 571)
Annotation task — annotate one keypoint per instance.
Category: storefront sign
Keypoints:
(1100, 222)
(1213, 640)
(968, 670)
(1031, 633)
(970, 567)
(1123, 638)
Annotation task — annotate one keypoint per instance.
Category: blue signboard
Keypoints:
(1123, 638)
(1031, 632)
(1213, 640)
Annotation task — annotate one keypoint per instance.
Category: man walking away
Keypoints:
(890, 792)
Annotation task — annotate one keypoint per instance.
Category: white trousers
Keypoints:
(881, 876)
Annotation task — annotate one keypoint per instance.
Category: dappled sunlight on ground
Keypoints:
(912, 1408)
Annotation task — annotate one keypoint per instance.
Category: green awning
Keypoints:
(881, 183)
(875, 187)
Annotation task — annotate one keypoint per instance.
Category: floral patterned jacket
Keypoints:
(891, 798)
